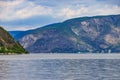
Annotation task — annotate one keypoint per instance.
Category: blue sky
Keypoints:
(30, 14)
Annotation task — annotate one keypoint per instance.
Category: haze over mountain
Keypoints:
(85, 34)
(8, 45)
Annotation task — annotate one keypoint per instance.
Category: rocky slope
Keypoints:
(86, 34)
(8, 45)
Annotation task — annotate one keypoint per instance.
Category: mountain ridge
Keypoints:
(86, 34)
(8, 45)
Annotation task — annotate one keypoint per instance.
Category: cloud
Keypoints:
(80, 11)
(21, 9)
(27, 14)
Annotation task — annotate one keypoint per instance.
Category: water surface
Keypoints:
(60, 69)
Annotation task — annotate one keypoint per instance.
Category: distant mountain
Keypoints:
(15, 33)
(8, 45)
(79, 35)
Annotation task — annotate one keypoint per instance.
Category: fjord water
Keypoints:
(60, 69)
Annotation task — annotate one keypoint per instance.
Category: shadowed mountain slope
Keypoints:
(86, 34)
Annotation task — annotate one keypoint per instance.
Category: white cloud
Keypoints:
(21, 9)
(32, 11)
(80, 11)
(9, 3)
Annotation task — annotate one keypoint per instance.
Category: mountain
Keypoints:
(15, 33)
(79, 35)
(8, 45)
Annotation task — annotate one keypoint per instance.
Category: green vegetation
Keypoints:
(8, 45)
(15, 50)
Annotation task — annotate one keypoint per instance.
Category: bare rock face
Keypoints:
(78, 35)
(28, 40)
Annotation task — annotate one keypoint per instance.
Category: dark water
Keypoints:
(60, 69)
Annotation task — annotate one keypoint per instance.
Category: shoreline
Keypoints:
(59, 56)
